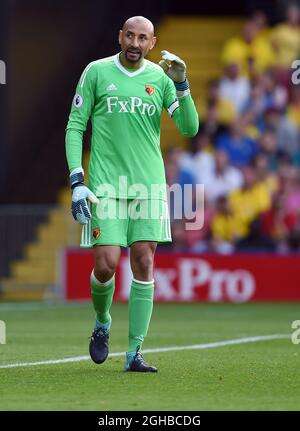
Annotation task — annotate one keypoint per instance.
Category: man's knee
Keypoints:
(144, 261)
(105, 267)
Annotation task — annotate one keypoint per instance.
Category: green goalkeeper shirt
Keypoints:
(125, 108)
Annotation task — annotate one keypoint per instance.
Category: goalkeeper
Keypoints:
(124, 96)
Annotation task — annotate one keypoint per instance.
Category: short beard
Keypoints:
(133, 61)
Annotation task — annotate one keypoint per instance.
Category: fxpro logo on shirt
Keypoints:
(131, 106)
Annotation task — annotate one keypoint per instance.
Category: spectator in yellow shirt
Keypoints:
(286, 38)
(293, 111)
(264, 175)
(222, 109)
(252, 51)
(226, 227)
(252, 199)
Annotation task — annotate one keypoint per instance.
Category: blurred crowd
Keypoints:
(247, 151)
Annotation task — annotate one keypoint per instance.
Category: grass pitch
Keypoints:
(263, 375)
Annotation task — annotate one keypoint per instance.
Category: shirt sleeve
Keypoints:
(82, 107)
(181, 108)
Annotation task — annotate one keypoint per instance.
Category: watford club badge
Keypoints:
(96, 232)
(150, 89)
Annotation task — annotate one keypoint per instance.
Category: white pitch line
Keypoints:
(158, 350)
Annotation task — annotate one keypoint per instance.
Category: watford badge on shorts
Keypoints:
(96, 232)
(150, 89)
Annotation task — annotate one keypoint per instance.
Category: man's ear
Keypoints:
(120, 36)
(153, 42)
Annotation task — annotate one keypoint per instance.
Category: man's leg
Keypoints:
(106, 259)
(140, 302)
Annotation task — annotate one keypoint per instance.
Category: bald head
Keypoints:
(136, 39)
(141, 22)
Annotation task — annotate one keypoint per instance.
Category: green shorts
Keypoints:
(124, 221)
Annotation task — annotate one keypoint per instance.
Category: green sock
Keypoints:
(140, 310)
(102, 296)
